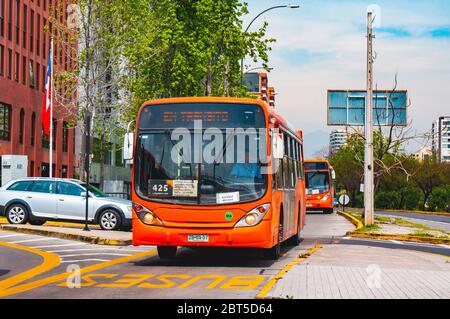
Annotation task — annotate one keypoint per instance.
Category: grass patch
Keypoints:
(369, 228)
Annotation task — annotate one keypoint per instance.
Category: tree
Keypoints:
(188, 48)
(349, 170)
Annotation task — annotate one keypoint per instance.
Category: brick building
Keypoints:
(24, 49)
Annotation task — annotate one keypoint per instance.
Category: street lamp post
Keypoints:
(290, 6)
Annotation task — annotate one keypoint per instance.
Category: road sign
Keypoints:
(347, 107)
(344, 200)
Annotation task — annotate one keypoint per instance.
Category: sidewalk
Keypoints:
(95, 236)
(355, 272)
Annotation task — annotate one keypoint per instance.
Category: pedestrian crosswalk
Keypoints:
(71, 251)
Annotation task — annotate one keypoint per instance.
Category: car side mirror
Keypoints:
(83, 194)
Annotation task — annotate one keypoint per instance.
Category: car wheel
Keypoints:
(17, 214)
(37, 222)
(167, 252)
(110, 220)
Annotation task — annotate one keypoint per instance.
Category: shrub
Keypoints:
(439, 198)
(389, 200)
(411, 197)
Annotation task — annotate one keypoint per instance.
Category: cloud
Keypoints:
(322, 46)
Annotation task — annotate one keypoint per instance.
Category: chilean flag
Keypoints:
(48, 100)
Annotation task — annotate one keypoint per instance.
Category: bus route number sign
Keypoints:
(159, 188)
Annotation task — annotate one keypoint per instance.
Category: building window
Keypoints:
(45, 140)
(5, 122)
(9, 66)
(16, 67)
(38, 76)
(65, 137)
(2, 60)
(38, 36)
(24, 70)
(55, 129)
(17, 22)
(2, 18)
(33, 128)
(31, 168)
(31, 68)
(10, 20)
(24, 26)
(21, 125)
(44, 41)
(32, 31)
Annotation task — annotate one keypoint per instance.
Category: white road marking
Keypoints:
(92, 249)
(445, 246)
(95, 254)
(81, 260)
(347, 237)
(32, 240)
(15, 235)
(396, 242)
(62, 245)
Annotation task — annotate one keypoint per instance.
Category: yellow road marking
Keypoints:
(267, 287)
(49, 262)
(63, 276)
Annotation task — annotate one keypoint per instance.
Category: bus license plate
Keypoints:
(198, 238)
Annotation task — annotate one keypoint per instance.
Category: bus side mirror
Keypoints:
(333, 174)
(277, 145)
(128, 146)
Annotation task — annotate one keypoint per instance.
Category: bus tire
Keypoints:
(167, 252)
(274, 253)
(296, 239)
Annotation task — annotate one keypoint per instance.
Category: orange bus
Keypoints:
(319, 185)
(249, 192)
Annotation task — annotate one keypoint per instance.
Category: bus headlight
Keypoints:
(146, 216)
(325, 198)
(253, 217)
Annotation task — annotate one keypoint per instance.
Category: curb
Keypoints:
(83, 238)
(414, 212)
(418, 239)
(351, 219)
(262, 294)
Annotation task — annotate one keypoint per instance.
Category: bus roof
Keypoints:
(318, 160)
(212, 99)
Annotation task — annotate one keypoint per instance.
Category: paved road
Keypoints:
(434, 221)
(131, 272)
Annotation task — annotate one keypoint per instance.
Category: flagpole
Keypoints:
(51, 114)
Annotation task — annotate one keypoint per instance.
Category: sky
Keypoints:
(322, 45)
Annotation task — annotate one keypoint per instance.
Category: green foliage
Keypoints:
(178, 48)
(410, 197)
(387, 200)
(439, 198)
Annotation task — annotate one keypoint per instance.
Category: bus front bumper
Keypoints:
(259, 236)
(318, 204)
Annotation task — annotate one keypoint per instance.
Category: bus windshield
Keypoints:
(167, 171)
(317, 183)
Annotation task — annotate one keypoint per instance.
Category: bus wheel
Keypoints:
(296, 239)
(274, 253)
(167, 252)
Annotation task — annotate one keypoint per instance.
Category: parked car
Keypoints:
(36, 200)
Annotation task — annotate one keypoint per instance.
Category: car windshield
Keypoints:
(167, 171)
(94, 190)
(317, 183)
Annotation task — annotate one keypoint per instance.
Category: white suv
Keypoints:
(36, 200)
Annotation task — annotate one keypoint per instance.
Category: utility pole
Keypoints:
(368, 152)
(87, 163)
